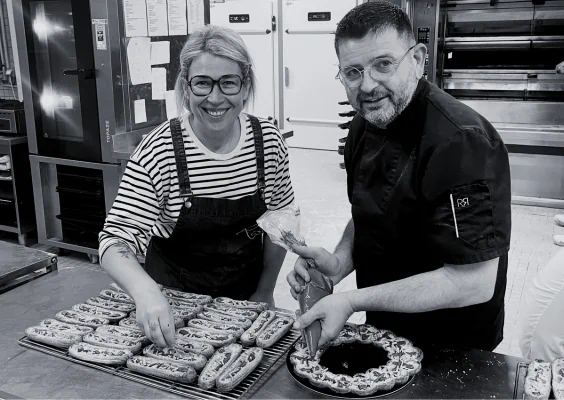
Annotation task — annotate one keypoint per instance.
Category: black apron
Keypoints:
(216, 247)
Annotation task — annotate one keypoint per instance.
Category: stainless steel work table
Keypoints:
(31, 374)
(19, 264)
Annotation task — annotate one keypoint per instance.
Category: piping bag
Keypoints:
(317, 288)
(284, 228)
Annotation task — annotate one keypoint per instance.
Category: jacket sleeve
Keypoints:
(467, 192)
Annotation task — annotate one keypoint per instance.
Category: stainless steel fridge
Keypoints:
(311, 92)
(255, 21)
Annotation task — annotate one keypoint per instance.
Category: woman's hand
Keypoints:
(264, 297)
(155, 318)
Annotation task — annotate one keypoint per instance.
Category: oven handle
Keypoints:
(81, 73)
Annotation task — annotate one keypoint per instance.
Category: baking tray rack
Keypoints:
(192, 390)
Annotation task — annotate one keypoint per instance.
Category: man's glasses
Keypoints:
(202, 85)
(380, 70)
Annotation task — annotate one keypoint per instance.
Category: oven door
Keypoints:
(62, 75)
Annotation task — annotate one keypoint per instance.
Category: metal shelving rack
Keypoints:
(16, 192)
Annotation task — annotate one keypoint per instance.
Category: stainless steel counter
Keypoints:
(19, 264)
(31, 374)
(446, 374)
(7, 396)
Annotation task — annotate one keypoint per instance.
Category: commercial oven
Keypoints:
(499, 57)
(88, 75)
(424, 17)
(97, 75)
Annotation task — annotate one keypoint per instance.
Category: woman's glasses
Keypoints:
(202, 85)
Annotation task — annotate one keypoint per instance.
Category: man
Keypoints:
(428, 180)
(542, 313)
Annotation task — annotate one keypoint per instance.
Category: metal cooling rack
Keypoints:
(270, 357)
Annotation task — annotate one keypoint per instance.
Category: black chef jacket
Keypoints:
(400, 182)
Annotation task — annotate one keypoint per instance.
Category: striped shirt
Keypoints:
(148, 202)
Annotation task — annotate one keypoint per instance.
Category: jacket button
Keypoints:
(188, 204)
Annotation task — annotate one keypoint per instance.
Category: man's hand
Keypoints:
(155, 318)
(560, 68)
(264, 297)
(325, 262)
(332, 312)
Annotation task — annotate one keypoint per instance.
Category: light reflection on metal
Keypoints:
(48, 101)
(42, 28)
(51, 100)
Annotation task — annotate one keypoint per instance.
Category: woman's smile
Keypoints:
(215, 113)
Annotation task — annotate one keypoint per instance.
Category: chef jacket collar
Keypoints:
(409, 124)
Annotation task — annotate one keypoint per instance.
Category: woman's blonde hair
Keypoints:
(221, 42)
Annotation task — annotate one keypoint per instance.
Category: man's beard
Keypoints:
(393, 106)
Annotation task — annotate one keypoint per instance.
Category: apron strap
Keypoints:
(180, 158)
(259, 149)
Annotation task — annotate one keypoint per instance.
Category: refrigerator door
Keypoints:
(311, 92)
(62, 75)
(252, 19)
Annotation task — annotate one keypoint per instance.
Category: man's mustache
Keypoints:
(374, 95)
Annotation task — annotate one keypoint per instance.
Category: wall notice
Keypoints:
(177, 23)
(170, 102)
(157, 17)
(160, 53)
(135, 13)
(196, 16)
(138, 59)
(140, 111)
(158, 83)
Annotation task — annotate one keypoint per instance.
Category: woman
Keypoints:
(194, 188)
(541, 326)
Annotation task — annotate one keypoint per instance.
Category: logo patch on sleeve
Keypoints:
(464, 202)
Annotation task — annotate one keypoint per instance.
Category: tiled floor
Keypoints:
(320, 187)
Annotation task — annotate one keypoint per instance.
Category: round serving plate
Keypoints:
(348, 359)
